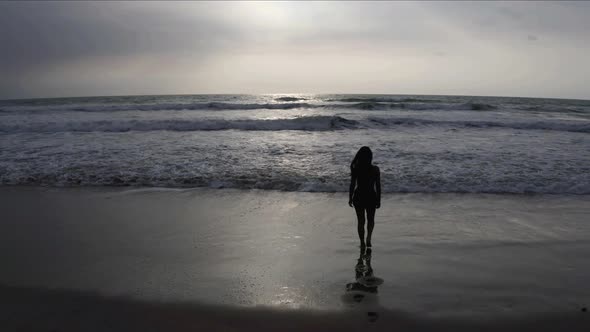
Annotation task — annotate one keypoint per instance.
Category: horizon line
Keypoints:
(289, 93)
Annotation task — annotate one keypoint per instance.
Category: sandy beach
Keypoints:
(446, 260)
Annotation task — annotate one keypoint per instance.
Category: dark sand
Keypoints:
(165, 260)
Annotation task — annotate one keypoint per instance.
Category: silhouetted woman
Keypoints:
(365, 191)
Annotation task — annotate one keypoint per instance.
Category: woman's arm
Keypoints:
(378, 187)
(351, 188)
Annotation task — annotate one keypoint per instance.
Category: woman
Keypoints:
(364, 192)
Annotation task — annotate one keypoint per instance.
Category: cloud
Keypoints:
(48, 32)
(97, 48)
(55, 39)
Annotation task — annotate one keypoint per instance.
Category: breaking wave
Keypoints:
(306, 123)
(311, 123)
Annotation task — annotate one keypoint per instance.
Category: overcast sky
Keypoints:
(53, 49)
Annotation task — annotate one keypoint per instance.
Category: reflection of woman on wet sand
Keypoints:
(362, 293)
(364, 192)
(365, 281)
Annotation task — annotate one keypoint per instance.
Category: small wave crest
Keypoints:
(383, 100)
(290, 99)
(373, 105)
(286, 103)
(161, 107)
(555, 109)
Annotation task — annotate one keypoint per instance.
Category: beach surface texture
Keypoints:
(180, 259)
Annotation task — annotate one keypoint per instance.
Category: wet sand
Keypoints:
(263, 259)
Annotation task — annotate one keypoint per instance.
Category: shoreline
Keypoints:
(132, 188)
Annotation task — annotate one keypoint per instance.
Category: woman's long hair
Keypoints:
(362, 160)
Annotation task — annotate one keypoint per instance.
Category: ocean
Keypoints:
(422, 144)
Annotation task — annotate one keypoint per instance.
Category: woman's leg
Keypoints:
(370, 224)
(360, 215)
